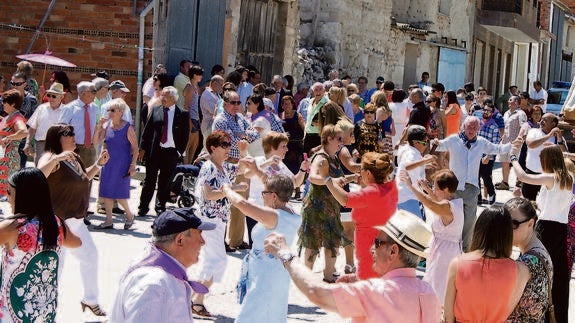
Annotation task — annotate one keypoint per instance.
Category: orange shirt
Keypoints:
(483, 289)
(453, 120)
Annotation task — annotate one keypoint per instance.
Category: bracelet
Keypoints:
(303, 170)
(513, 158)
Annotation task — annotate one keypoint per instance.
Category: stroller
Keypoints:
(183, 184)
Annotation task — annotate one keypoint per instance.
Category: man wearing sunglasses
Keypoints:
(397, 296)
(29, 105)
(46, 115)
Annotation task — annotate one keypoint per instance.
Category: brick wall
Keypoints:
(93, 34)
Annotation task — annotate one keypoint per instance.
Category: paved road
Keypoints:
(117, 247)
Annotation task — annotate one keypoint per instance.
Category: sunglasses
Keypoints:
(17, 83)
(93, 91)
(68, 133)
(52, 96)
(516, 223)
(378, 243)
(235, 102)
(428, 101)
(113, 110)
(267, 192)
(225, 144)
(423, 142)
(434, 90)
(487, 110)
(368, 112)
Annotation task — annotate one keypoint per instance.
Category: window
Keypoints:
(445, 7)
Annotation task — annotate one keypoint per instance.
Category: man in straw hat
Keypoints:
(46, 115)
(397, 295)
(156, 288)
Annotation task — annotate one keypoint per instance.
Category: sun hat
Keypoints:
(409, 231)
(56, 88)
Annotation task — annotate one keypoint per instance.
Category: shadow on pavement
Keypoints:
(297, 309)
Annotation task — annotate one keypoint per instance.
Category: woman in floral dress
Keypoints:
(534, 301)
(32, 239)
(215, 208)
(321, 223)
(12, 130)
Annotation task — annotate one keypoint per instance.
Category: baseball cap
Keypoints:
(379, 79)
(179, 220)
(119, 85)
(102, 74)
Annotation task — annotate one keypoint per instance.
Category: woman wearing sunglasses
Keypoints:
(554, 201)
(484, 284)
(264, 281)
(535, 299)
(367, 133)
(321, 223)
(215, 208)
(12, 130)
(122, 145)
(70, 183)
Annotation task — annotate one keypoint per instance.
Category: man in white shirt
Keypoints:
(156, 288)
(514, 118)
(538, 96)
(536, 140)
(46, 115)
(466, 150)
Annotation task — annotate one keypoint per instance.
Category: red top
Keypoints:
(483, 289)
(372, 206)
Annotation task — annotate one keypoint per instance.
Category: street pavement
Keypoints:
(117, 247)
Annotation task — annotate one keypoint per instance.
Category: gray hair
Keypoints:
(84, 86)
(469, 120)
(278, 78)
(166, 239)
(316, 86)
(408, 258)
(118, 104)
(302, 86)
(173, 92)
(100, 83)
(217, 79)
(417, 93)
(281, 185)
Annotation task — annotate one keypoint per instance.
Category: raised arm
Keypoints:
(268, 217)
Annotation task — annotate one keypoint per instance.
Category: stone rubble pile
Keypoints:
(312, 65)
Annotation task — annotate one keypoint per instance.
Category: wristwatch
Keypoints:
(513, 158)
(286, 256)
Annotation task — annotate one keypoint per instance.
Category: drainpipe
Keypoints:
(143, 15)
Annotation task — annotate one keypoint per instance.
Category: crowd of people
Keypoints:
(391, 176)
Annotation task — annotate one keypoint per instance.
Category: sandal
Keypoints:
(201, 311)
(128, 224)
(94, 308)
(104, 226)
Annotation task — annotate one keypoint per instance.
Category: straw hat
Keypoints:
(56, 88)
(408, 231)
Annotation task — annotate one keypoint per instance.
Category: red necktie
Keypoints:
(87, 128)
(165, 127)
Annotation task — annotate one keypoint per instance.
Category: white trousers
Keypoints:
(87, 256)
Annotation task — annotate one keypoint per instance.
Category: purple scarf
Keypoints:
(264, 113)
(488, 123)
(158, 258)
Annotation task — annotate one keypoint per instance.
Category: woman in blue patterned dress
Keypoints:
(32, 238)
(264, 282)
(215, 208)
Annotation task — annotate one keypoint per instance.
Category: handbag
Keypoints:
(551, 308)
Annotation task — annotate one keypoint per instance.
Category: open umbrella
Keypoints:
(46, 59)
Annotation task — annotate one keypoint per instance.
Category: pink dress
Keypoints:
(445, 246)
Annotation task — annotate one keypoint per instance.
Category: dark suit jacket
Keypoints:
(152, 134)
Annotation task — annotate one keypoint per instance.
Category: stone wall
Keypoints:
(358, 39)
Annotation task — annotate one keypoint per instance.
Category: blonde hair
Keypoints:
(337, 95)
(355, 99)
(379, 98)
(329, 131)
(552, 161)
(344, 125)
(272, 140)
